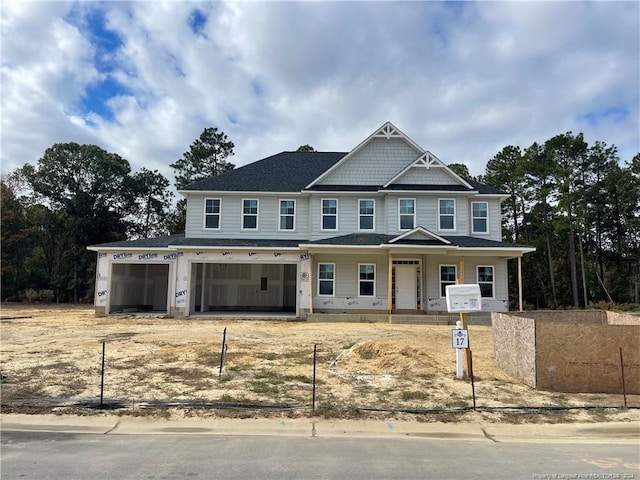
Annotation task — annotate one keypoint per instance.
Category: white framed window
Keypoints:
(212, 208)
(447, 214)
(448, 276)
(366, 280)
(250, 214)
(486, 281)
(406, 213)
(287, 215)
(329, 214)
(366, 214)
(326, 279)
(479, 217)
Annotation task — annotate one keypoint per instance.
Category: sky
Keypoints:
(463, 80)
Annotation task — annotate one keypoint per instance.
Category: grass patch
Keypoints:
(263, 388)
(408, 395)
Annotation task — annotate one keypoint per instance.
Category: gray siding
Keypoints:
(422, 176)
(346, 281)
(433, 263)
(374, 164)
(231, 217)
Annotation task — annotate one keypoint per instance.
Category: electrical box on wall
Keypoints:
(463, 298)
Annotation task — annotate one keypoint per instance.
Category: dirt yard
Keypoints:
(51, 361)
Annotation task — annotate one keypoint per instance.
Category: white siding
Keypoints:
(374, 164)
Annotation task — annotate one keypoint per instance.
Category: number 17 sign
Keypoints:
(459, 338)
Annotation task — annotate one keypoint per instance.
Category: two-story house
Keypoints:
(382, 228)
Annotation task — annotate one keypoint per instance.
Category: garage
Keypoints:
(139, 287)
(227, 287)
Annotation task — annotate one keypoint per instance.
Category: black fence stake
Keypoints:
(223, 350)
(473, 386)
(313, 394)
(624, 389)
(102, 376)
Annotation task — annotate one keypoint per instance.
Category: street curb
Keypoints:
(610, 432)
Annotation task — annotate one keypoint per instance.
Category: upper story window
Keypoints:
(448, 276)
(212, 213)
(329, 214)
(366, 280)
(250, 214)
(287, 215)
(407, 213)
(485, 280)
(326, 279)
(366, 214)
(446, 214)
(479, 217)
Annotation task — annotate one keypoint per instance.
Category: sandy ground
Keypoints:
(54, 356)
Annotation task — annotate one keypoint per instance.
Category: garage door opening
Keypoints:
(139, 288)
(241, 287)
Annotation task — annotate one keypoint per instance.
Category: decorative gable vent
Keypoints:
(426, 161)
(388, 131)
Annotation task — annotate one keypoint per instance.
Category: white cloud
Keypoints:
(462, 79)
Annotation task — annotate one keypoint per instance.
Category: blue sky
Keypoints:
(143, 79)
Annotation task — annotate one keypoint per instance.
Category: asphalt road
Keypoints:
(68, 456)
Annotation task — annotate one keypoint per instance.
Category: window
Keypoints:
(287, 215)
(448, 276)
(366, 280)
(212, 213)
(447, 214)
(250, 214)
(366, 213)
(485, 280)
(407, 211)
(326, 279)
(329, 214)
(479, 217)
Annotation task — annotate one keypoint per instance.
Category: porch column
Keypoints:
(310, 285)
(520, 283)
(204, 269)
(389, 285)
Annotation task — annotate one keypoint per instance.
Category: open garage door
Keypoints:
(139, 288)
(241, 287)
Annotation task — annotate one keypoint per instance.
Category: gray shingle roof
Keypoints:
(373, 239)
(353, 239)
(156, 242)
(284, 172)
(293, 171)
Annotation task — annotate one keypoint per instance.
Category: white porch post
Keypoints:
(389, 285)
(520, 283)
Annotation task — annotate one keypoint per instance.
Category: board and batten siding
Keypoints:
(231, 217)
(375, 163)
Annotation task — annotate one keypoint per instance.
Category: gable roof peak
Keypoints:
(387, 131)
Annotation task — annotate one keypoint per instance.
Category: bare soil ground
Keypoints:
(51, 362)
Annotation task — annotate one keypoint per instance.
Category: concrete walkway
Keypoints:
(611, 432)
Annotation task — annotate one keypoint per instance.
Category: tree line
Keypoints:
(80, 195)
(574, 202)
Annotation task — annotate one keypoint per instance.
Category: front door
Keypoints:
(406, 287)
